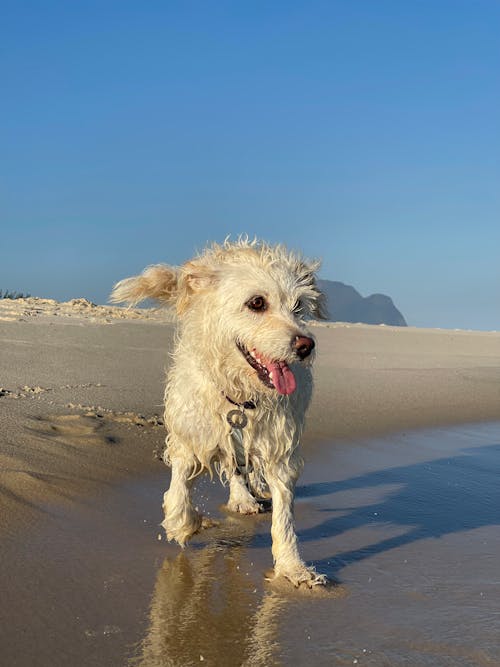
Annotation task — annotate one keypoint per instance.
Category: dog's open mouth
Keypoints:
(274, 374)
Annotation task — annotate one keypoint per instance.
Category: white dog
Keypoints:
(240, 382)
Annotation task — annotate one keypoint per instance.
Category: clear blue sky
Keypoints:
(364, 132)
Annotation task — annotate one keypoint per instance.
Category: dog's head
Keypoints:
(244, 308)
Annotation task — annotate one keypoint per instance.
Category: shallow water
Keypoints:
(409, 525)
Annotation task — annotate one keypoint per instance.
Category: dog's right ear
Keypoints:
(159, 282)
(170, 285)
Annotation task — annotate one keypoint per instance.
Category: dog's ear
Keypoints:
(195, 278)
(308, 271)
(320, 309)
(159, 282)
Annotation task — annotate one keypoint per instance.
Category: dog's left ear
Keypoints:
(195, 278)
(319, 308)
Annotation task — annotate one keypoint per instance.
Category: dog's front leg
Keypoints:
(281, 479)
(181, 519)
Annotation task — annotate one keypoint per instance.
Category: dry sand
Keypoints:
(406, 520)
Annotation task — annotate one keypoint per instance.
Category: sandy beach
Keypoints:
(399, 503)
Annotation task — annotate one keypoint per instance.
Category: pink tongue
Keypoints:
(283, 378)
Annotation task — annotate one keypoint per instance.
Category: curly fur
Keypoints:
(211, 294)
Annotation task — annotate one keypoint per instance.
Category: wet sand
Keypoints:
(405, 519)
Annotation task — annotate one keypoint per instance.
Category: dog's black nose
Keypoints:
(303, 346)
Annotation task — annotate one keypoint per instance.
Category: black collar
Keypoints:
(246, 405)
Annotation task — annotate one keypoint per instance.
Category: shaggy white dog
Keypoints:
(240, 382)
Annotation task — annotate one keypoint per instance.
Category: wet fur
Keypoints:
(209, 294)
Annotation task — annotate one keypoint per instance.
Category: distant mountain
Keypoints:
(345, 304)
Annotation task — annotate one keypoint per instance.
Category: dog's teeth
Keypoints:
(271, 375)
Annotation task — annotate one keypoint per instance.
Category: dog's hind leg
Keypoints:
(181, 519)
(240, 498)
(281, 479)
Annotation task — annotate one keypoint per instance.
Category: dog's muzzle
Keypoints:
(277, 374)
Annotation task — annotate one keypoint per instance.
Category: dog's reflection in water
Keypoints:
(207, 609)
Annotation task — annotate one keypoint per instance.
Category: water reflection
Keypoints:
(208, 608)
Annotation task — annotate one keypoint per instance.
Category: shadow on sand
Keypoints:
(431, 499)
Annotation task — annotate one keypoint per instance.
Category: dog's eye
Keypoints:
(257, 304)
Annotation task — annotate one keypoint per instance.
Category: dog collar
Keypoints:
(246, 405)
(237, 419)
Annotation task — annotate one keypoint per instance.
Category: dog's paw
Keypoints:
(314, 579)
(182, 534)
(245, 506)
(301, 576)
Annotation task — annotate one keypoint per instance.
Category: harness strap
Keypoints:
(237, 419)
(239, 453)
